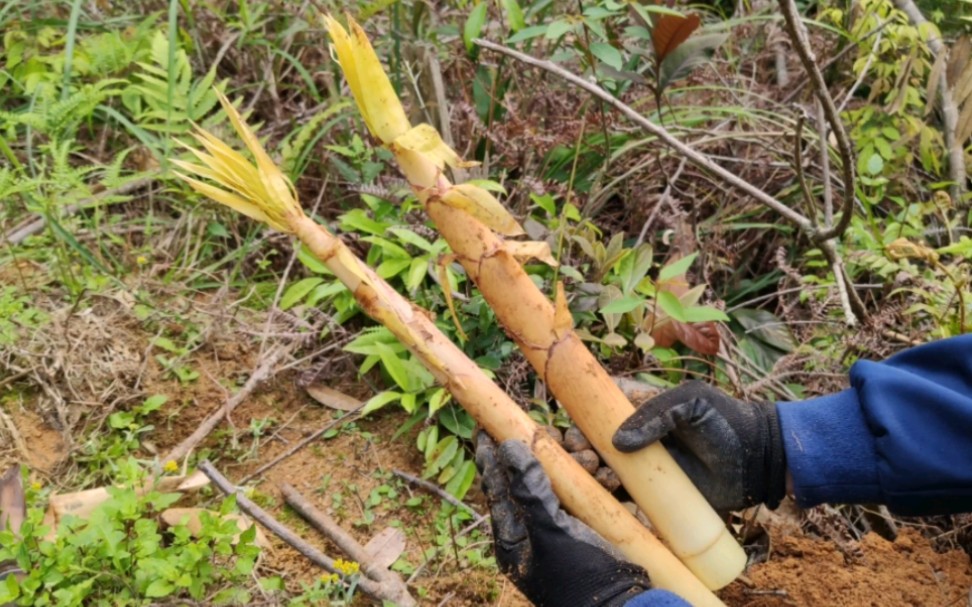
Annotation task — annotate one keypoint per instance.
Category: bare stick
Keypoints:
(263, 517)
(950, 113)
(329, 528)
(32, 226)
(334, 532)
(18, 440)
(262, 372)
(437, 491)
(697, 158)
(353, 415)
(798, 37)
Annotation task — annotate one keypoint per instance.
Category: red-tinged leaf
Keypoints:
(703, 337)
(669, 31)
(664, 334)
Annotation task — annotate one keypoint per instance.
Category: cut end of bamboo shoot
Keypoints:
(719, 564)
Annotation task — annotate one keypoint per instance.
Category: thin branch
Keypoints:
(352, 415)
(263, 517)
(262, 372)
(698, 159)
(828, 192)
(798, 37)
(437, 491)
(798, 166)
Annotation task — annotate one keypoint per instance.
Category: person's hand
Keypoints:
(732, 450)
(553, 558)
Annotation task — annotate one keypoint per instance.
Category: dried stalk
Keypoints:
(435, 490)
(798, 37)
(259, 375)
(950, 113)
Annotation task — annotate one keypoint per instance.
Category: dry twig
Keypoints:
(259, 375)
(437, 491)
(351, 416)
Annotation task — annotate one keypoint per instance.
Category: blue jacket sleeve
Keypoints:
(901, 435)
(657, 598)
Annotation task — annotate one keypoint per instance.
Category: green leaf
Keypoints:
(875, 164)
(527, 33)
(474, 25)
(408, 402)
(546, 202)
(394, 366)
(608, 54)
(514, 15)
(393, 267)
(766, 327)
(409, 237)
(558, 28)
(614, 340)
(357, 220)
(298, 291)
(380, 400)
(441, 455)
(457, 421)
(417, 271)
(671, 306)
(159, 588)
(676, 268)
(312, 263)
(153, 403)
(439, 399)
(704, 314)
(463, 480)
(622, 305)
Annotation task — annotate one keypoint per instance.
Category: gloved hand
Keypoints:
(553, 558)
(732, 451)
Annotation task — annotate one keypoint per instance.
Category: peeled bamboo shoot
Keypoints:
(263, 192)
(469, 219)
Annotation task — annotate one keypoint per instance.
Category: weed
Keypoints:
(120, 555)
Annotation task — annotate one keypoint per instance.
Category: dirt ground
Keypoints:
(340, 475)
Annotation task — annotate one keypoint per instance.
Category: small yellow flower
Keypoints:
(347, 568)
(329, 578)
(171, 467)
(36, 486)
(141, 260)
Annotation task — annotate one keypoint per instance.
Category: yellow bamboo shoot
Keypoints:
(467, 217)
(244, 187)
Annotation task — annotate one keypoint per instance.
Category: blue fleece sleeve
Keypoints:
(900, 436)
(657, 597)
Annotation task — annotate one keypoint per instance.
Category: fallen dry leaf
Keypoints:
(335, 399)
(385, 548)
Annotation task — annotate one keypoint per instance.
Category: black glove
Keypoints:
(553, 558)
(732, 451)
